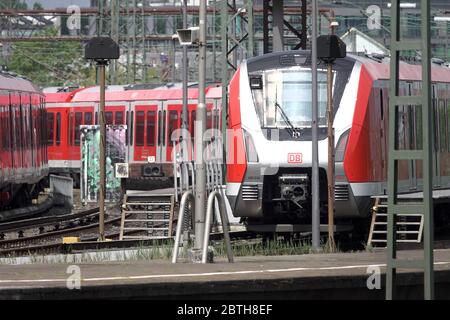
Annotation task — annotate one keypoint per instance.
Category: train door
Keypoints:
(172, 120)
(16, 136)
(145, 140)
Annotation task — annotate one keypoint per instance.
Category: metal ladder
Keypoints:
(147, 216)
(409, 226)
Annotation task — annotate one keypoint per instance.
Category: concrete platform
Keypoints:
(315, 276)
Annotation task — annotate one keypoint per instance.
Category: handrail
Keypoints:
(184, 199)
(223, 215)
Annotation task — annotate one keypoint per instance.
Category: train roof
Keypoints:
(13, 82)
(141, 95)
(380, 70)
(378, 67)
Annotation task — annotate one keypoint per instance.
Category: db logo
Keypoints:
(295, 158)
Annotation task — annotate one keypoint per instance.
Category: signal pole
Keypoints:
(102, 50)
(102, 157)
(314, 127)
(331, 168)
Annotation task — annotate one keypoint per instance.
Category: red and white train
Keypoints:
(151, 116)
(269, 139)
(23, 148)
(270, 115)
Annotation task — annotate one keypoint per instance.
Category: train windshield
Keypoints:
(290, 88)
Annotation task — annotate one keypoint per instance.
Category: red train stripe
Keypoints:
(236, 162)
(357, 157)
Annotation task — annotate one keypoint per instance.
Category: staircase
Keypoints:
(147, 216)
(409, 226)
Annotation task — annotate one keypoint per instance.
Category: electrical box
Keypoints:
(330, 48)
(102, 48)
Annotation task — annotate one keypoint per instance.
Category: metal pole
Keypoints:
(428, 130)
(144, 49)
(184, 112)
(224, 75)
(200, 126)
(315, 148)
(277, 25)
(173, 62)
(331, 243)
(134, 41)
(185, 73)
(102, 158)
(115, 36)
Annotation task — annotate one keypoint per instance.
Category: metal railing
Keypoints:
(188, 195)
(184, 183)
(216, 196)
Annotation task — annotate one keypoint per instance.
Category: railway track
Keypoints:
(91, 243)
(36, 223)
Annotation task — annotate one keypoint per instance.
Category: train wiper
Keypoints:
(293, 130)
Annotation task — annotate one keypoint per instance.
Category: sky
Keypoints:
(58, 3)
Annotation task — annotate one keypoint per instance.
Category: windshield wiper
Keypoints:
(293, 130)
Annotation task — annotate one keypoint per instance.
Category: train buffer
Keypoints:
(409, 225)
(146, 216)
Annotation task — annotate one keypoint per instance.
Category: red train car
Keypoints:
(152, 116)
(23, 150)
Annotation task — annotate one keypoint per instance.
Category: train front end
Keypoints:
(269, 137)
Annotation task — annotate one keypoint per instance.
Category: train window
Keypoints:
(173, 123)
(88, 118)
(50, 127)
(71, 128)
(151, 121)
(119, 117)
(192, 124)
(58, 129)
(140, 128)
(78, 123)
(109, 117)
(164, 128)
(159, 127)
(131, 127)
(96, 117)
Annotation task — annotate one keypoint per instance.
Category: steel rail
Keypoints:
(13, 226)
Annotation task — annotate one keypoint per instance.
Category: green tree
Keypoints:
(52, 63)
(38, 6)
(13, 4)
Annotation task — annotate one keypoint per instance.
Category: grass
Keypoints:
(164, 252)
